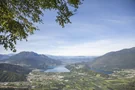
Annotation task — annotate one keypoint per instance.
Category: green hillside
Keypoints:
(14, 68)
(12, 73)
(6, 76)
(123, 59)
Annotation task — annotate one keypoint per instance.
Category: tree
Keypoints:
(17, 17)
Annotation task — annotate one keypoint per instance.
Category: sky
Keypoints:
(98, 27)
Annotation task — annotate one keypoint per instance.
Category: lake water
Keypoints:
(101, 71)
(61, 68)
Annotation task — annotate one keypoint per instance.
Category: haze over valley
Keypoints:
(31, 67)
(67, 44)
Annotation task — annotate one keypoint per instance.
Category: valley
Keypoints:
(32, 71)
(67, 44)
(80, 77)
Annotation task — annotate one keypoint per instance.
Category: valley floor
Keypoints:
(79, 78)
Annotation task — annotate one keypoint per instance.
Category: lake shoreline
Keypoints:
(60, 68)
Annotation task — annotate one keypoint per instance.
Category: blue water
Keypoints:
(101, 71)
(61, 68)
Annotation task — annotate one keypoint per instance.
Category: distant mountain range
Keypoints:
(34, 60)
(73, 59)
(31, 60)
(123, 59)
(2, 56)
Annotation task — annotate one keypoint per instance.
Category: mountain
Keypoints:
(2, 56)
(123, 59)
(14, 68)
(72, 59)
(12, 73)
(32, 60)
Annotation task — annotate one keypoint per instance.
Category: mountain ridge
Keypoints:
(31, 60)
(122, 59)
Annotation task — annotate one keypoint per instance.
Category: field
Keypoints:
(80, 77)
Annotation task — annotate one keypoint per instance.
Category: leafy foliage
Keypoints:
(17, 17)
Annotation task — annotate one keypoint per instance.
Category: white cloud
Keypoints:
(93, 48)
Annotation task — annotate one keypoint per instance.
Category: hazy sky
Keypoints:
(98, 27)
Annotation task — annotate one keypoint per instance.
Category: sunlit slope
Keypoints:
(12, 73)
(123, 59)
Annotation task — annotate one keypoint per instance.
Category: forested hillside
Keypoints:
(12, 73)
(123, 59)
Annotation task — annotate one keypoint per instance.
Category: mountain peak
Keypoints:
(27, 53)
(32, 60)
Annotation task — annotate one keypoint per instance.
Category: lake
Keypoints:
(101, 71)
(61, 68)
